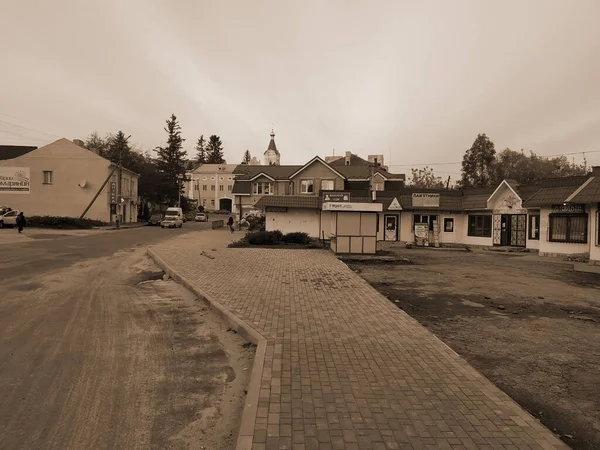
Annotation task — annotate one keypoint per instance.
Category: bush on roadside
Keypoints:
(63, 223)
(264, 237)
(297, 237)
(256, 223)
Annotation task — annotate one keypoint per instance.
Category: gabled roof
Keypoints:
(549, 196)
(290, 201)
(262, 174)
(364, 173)
(246, 172)
(511, 184)
(588, 193)
(355, 160)
(14, 151)
(314, 160)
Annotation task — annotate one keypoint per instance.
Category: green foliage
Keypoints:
(214, 150)
(171, 161)
(264, 237)
(64, 223)
(426, 179)
(256, 223)
(530, 168)
(247, 157)
(201, 150)
(478, 163)
(297, 237)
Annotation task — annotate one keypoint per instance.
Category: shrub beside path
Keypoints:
(344, 368)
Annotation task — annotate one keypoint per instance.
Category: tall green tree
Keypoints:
(247, 157)
(528, 168)
(214, 150)
(98, 144)
(425, 179)
(478, 163)
(170, 160)
(201, 150)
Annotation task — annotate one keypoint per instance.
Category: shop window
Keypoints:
(424, 218)
(534, 227)
(569, 228)
(480, 226)
(307, 186)
(327, 185)
(47, 177)
(449, 225)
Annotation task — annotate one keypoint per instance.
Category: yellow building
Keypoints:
(61, 179)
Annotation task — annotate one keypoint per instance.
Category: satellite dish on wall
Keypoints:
(82, 184)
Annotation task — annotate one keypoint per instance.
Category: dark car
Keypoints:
(155, 219)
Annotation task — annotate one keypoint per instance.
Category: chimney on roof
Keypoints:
(79, 142)
(348, 156)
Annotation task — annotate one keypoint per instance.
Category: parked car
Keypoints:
(173, 218)
(9, 219)
(4, 210)
(155, 219)
(201, 217)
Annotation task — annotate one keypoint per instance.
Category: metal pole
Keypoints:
(98, 193)
(178, 193)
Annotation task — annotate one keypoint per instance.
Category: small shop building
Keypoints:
(554, 217)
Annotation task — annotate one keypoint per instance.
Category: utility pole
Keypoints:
(448, 183)
(119, 207)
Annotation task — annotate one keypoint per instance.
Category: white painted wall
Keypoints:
(327, 224)
(307, 220)
(530, 243)
(547, 247)
(594, 244)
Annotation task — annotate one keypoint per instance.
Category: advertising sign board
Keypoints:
(15, 180)
(426, 200)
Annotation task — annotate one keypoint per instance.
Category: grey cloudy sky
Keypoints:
(418, 79)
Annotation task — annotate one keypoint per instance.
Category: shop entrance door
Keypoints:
(391, 228)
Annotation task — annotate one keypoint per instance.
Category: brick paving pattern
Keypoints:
(344, 368)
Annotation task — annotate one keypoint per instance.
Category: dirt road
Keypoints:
(529, 325)
(91, 358)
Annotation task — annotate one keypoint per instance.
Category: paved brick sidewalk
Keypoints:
(344, 368)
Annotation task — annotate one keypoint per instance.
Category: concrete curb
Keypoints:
(246, 431)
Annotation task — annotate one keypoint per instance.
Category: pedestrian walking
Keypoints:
(20, 222)
(230, 223)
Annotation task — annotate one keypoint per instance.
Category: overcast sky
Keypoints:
(413, 80)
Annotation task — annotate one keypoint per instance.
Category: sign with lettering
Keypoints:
(15, 180)
(421, 230)
(425, 200)
(568, 208)
(366, 207)
(395, 205)
(113, 193)
(336, 197)
(276, 209)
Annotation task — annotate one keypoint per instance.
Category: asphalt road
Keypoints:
(91, 359)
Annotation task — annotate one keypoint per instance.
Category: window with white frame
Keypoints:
(262, 188)
(204, 187)
(229, 187)
(212, 203)
(307, 187)
(327, 185)
(47, 177)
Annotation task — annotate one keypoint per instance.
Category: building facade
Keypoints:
(62, 178)
(211, 185)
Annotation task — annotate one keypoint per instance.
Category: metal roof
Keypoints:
(14, 151)
(549, 196)
(290, 201)
(589, 193)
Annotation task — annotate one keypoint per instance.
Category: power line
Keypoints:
(23, 136)
(460, 162)
(29, 129)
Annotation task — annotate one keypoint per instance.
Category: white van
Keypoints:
(173, 218)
